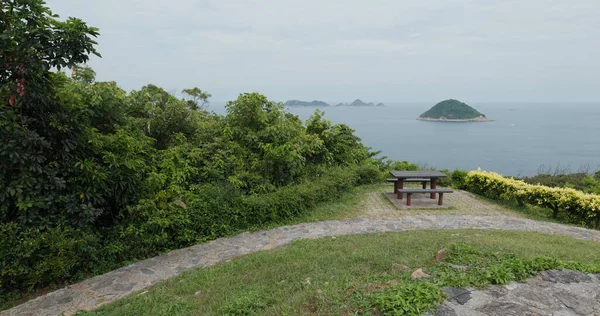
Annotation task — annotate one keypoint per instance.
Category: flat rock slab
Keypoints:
(125, 281)
(554, 292)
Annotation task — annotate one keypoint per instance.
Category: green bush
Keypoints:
(573, 205)
(403, 165)
(292, 201)
(369, 174)
(32, 257)
(459, 178)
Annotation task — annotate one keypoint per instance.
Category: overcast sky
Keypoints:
(376, 50)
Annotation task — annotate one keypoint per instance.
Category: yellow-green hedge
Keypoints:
(575, 205)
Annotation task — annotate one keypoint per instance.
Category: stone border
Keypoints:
(125, 281)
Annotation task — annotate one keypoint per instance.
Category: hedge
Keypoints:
(30, 258)
(570, 203)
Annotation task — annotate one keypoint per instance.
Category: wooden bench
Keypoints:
(422, 180)
(409, 193)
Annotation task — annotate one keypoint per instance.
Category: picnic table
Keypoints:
(416, 176)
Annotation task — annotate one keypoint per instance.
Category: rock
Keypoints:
(580, 305)
(564, 276)
(418, 274)
(397, 268)
(509, 309)
(460, 296)
(445, 310)
(441, 254)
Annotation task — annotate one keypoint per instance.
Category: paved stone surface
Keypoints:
(565, 293)
(378, 205)
(117, 284)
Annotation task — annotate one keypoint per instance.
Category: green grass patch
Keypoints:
(532, 212)
(358, 274)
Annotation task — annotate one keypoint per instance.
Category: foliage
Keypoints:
(40, 134)
(198, 98)
(452, 109)
(409, 298)
(84, 74)
(402, 165)
(459, 178)
(578, 181)
(485, 267)
(574, 205)
(94, 177)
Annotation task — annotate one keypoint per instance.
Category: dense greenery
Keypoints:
(305, 103)
(579, 181)
(569, 204)
(350, 275)
(452, 109)
(94, 177)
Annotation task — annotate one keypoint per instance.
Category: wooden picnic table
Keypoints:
(430, 175)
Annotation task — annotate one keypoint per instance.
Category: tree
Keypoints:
(84, 74)
(38, 133)
(199, 98)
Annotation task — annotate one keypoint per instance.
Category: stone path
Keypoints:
(127, 280)
(553, 292)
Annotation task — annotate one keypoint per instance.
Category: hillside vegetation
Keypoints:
(94, 177)
(452, 109)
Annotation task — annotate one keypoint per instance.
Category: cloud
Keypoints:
(280, 47)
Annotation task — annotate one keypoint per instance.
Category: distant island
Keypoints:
(305, 103)
(317, 103)
(358, 102)
(453, 111)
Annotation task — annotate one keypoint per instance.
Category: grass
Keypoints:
(532, 212)
(335, 276)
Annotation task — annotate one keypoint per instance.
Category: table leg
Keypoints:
(395, 187)
(433, 187)
(400, 186)
(441, 199)
(408, 196)
(424, 184)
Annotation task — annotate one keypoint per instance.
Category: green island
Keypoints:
(306, 103)
(359, 102)
(119, 202)
(453, 111)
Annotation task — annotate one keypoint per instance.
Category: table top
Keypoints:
(418, 174)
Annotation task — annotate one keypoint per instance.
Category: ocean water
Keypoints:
(524, 139)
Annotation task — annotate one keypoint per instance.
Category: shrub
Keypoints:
(292, 201)
(404, 165)
(33, 257)
(368, 174)
(459, 178)
(572, 204)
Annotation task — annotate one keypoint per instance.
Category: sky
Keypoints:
(337, 51)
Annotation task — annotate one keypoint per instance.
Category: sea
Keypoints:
(523, 140)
